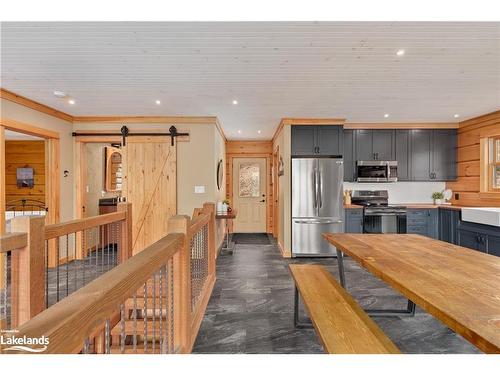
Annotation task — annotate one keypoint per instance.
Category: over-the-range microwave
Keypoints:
(376, 171)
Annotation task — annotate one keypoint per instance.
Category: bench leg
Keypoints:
(409, 311)
(296, 320)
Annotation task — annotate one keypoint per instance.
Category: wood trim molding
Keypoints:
(480, 121)
(402, 125)
(25, 128)
(19, 99)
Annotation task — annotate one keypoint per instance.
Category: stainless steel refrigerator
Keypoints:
(317, 204)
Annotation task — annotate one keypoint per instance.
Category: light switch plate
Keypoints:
(199, 189)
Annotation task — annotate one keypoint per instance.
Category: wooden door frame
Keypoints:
(80, 167)
(276, 192)
(229, 184)
(52, 166)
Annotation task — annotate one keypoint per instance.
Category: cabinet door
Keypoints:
(329, 139)
(444, 154)
(364, 144)
(348, 154)
(432, 223)
(354, 221)
(383, 142)
(401, 154)
(420, 154)
(303, 140)
(471, 240)
(494, 245)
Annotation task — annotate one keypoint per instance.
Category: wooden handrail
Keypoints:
(198, 223)
(13, 241)
(69, 322)
(62, 229)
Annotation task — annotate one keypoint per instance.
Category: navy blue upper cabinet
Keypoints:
(317, 140)
(329, 140)
(303, 140)
(348, 153)
(420, 154)
(374, 144)
(401, 154)
(433, 154)
(444, 154)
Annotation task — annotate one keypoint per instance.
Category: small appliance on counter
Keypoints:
(377, 171)
(378, 215)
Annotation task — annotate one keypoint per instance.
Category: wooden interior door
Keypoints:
(149, 183)
(249, 194)
(276, 191)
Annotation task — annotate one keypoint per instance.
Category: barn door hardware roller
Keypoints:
(125, 132)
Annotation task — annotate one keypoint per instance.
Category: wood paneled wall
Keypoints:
(467, 185)
(19, 154)
(249, 149)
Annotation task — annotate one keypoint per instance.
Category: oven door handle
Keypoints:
(318, 221)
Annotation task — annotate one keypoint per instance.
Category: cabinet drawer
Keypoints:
(417, 230)
(417, 214)
(417, 221)
(354, 213)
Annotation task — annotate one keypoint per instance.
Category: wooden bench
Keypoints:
(341, 324)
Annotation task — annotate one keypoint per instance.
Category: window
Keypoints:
(249, 180)
(494, 163)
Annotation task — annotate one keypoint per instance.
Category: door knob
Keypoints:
(262, 201)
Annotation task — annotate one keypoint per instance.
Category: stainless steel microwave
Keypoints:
(376, 171)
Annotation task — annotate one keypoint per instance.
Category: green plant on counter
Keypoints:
(437, 195)
(227, 201)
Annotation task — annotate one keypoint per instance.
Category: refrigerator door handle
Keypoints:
(315, 187)
(318, 221)
(320, 189)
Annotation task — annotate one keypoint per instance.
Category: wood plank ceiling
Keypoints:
(273, 70)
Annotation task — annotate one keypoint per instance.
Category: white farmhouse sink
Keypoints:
(482, 215)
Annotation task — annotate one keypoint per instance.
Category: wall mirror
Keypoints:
(113, 168)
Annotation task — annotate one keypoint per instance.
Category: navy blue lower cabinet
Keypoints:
(422, 221)
(353, 220)
(448, 224)
(484, 238)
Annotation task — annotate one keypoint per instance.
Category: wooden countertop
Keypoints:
(352, 206)
(459, 286)
(412, 205)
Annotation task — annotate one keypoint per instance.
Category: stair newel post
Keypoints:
(182, 285)
(28, 270)
(125, 251)
(209, 209)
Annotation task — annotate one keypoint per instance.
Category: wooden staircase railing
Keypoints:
(153, 302)
(57, 260)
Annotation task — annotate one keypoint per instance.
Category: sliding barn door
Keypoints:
(149, 183)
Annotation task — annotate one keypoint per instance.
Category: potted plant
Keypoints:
(438, 197)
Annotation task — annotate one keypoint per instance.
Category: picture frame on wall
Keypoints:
(25, 178)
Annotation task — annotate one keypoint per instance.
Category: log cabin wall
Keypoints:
(20, 154)
(251, 149)
(467, 185)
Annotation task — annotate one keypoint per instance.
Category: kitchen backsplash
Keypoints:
(402, 192)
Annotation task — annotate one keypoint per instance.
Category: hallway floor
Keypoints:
(251, 308)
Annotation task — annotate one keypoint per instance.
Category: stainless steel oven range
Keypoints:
(378, 215)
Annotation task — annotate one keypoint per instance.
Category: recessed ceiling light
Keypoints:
(400, 52)
(239, 131)
(60, 94)
(259, 131)
(386, 115)
(456, 115)
(157, 102)
(235, 102)
(71, 101)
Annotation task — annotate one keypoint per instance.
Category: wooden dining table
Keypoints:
(458, 286)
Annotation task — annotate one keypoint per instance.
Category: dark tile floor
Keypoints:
(251, 309)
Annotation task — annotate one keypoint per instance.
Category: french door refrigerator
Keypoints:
(317, 204)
